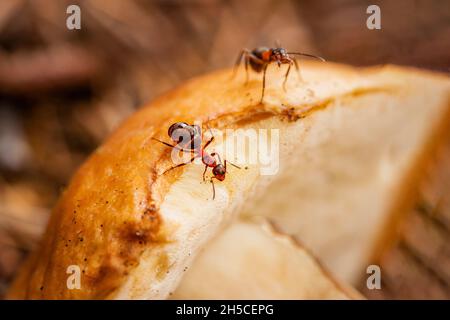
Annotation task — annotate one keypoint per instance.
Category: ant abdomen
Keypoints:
(256, 65)
(176, 126)
(185, 135)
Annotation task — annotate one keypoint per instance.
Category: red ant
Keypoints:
(260, 58)
(193, 144)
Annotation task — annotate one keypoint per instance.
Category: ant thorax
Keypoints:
(208, 160)
(262, 53)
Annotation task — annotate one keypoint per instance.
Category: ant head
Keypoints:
(219, 172)
(280, 55)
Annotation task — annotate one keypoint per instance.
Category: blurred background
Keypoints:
(62, 91)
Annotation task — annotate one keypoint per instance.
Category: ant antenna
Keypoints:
(226, 161)
(242, 54)
(307, 55)
(236, 166)
(277, 43)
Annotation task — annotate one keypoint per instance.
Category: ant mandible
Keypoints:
(193, 145)
(260, 58)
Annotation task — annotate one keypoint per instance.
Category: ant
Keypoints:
(260, 58)
(193, 144)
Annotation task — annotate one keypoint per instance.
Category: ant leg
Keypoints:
(180, 165)
(244, 52)
(286, 76)
(298, 69)
(264, 82)
(171, 146)
(209, 129)
(225, 162)
(214, 189)
(204, 172)
(164, 143)
(210, 140)
(247, 61)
